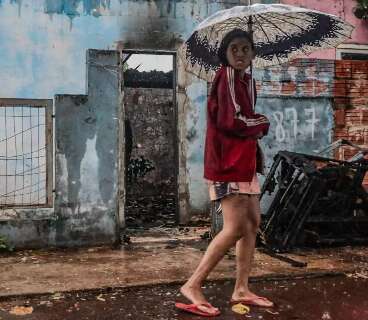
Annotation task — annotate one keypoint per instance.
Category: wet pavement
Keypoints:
(320, 298)
(157, 257)
(140, 280)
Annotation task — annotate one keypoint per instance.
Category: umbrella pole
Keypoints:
(250, 31)
(252, 86)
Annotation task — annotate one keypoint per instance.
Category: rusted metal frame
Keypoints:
(270, 179)
(288, 201)
(300, 208)
(290, 207)
(310, 196)
(275, 236)
(284, 187)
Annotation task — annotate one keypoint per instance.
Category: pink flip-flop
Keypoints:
(253, 302)
(193, 308)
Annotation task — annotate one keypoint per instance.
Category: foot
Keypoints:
(248, 297)
(194, 294)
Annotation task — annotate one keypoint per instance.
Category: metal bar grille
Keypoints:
(25, 153)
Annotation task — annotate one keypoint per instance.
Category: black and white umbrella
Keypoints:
(280, 33)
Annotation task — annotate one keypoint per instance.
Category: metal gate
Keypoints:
(26, 146)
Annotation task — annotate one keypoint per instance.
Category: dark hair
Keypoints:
(236, 33)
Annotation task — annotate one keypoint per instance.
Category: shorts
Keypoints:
(218, 190)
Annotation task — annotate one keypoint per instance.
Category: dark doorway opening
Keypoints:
(150, 135)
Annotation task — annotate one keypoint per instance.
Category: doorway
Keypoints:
(151, 155)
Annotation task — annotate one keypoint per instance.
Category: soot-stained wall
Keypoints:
(151, 173)
(86, 156)
(43, 53)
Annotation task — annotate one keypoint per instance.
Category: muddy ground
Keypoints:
(322, 298)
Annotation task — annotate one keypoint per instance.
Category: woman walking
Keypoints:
(230, 164)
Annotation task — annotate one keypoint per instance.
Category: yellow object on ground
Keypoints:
(240, 308)
(21, 310)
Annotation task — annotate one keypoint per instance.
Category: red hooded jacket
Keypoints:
(231, 146)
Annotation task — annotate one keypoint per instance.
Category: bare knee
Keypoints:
(241, 216)
(234, 233)
(251, 226)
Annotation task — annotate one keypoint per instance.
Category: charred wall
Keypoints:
(151, 170)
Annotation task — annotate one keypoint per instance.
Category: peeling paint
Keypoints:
(73, 8)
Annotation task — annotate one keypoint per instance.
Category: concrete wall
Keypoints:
(50, 37)
(151, 115)
(86, 167)
(297, 99)
(43, 54)
(86, 131)
(44, 44)
(151, 185)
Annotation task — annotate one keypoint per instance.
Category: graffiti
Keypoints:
(288, 123)
(138, 168)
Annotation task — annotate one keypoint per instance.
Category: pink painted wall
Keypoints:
(341, 8)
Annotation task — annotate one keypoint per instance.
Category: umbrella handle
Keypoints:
(252, 97)
(250, 31)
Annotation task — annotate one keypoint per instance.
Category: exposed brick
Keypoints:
(308, 87)
(288, 88)
(340, 118)
(340, 88)
(321, 87)
(359, 69)
(343, 69)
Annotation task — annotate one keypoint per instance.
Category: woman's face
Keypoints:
(239, 53)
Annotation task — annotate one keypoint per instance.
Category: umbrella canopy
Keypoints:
(280, 33)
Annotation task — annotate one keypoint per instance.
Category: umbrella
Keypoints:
(280, 33)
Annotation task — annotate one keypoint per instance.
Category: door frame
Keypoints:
(121, 142)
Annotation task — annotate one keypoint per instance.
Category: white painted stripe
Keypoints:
(231, 84)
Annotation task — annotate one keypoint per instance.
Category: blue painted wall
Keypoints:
(44, 42)
(301, 117)
(43, 53)
(86, 167)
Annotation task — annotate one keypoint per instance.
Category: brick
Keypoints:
(288, 88)
(340, 118)
(307, 87)
(341, 102)
(321, 87)
(359, 67)
(343, 69)
(359, 101)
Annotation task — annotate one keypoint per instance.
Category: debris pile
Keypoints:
(150, 211)
(315, 201)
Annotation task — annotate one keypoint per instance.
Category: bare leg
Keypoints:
(233, 214)
(245, 252)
